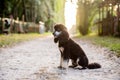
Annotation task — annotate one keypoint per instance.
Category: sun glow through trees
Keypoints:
(70, 13)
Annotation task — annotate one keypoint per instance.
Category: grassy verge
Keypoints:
(107, 41)
(8, 40)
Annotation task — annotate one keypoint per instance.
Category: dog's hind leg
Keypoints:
(74, 63)
(83, 62)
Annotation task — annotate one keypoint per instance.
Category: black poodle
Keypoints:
(70, 50)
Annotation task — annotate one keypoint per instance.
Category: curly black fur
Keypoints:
(72, 50)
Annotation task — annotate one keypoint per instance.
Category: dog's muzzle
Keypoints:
(56, 33)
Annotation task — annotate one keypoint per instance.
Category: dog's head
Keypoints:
(60, 33)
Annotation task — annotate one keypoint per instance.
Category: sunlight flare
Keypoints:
(70, 13)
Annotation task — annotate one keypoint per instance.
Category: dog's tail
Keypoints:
(93, 66)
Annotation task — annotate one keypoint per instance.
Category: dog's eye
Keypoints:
(58, 30)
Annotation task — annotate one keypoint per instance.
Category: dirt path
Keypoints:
(38, 60)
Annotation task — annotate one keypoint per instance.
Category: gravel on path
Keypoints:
(38, 60)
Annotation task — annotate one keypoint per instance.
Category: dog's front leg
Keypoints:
(63, 61)
(66, 55)
(61, 57)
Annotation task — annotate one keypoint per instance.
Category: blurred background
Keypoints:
(79, 16)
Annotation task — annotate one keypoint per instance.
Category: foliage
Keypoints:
(59, 11)
(48, 11)
(11, 39)
(86, 12)
(106, 41)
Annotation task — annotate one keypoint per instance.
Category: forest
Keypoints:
(33, 11)
(100, 16)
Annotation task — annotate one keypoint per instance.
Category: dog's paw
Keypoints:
(60, 67)
(72, 66)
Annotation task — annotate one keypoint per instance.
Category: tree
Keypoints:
(2, 6)
(87, 9)
(59, 11)
(48, 11)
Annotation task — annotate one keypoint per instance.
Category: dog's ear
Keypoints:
(64, 37)
(60, 27)
(55, 40)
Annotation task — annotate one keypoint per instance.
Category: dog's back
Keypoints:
(75, 49)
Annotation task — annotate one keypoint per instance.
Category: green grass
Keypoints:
(11, 39)
(107, 41)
